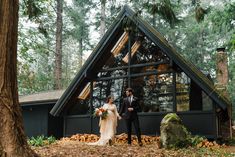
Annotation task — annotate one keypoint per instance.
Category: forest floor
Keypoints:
(76, 148)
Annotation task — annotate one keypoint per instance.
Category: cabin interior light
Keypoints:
(86, 91)
(120, 44)
(134, 49)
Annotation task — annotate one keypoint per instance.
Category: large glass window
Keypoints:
(114, 87)
(182, 91)
(148, 52)
(186, 90)
(79, 106)
(119, 52)
(207, 103)
(155, 92)
(150, 73)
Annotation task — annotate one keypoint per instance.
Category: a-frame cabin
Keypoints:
(161, 78)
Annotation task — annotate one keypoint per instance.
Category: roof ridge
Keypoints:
(41, 92)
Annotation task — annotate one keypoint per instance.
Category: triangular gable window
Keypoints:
(156, 80)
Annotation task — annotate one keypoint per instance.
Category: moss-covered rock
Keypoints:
(173, 132)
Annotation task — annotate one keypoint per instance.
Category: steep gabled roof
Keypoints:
(38, 98)
(82, 78)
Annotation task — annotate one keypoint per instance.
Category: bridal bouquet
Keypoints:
(101, 112)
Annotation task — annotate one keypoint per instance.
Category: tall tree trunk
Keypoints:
(102, 21)
(154, 13)
(58, 53)
(12, 138)
(154, 20)
(66, 69)
(80, 53)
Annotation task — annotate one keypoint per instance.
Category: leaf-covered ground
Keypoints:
(76, 148)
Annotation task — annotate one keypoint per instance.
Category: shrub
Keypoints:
(195, 140)
(181, 144)
(51, 139)
(192, 141)
(41, 140)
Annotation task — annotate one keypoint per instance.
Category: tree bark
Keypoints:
(13, 141)
(58, 53)
(80, 53)
(102, 21)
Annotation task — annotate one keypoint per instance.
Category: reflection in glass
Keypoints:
(113, 73)
(79, 107)
(117, 90)
(148, 52)
(103, 89)
(182, 91)
(207, 103)
(155, 92)
(100, 93)
(117, 60)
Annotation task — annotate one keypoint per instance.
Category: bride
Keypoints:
(109, 124)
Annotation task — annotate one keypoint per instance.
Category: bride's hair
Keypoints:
(108, 98)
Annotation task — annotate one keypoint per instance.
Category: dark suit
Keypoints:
(131, 116)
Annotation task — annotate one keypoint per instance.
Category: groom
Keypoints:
(128, 111)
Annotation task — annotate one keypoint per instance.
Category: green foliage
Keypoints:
(232, 42)
(51, 139)
(164, 8)
(195, 140)
(171, 117)
(180, 144)
(78, 16)
(200, 13)
(35, 50)
(190, 141)
(32, 9)
(41, 141)
(201, 152)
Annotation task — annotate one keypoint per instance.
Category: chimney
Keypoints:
(221, 85)
(221, 67)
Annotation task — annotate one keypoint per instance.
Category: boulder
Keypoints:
(173, 133)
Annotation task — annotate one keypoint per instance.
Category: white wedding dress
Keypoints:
(107, 125)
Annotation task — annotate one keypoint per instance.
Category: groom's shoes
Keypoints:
(110, 142)
(140, 144)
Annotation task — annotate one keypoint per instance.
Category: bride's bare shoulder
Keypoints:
(115, 105)
(105, 105)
